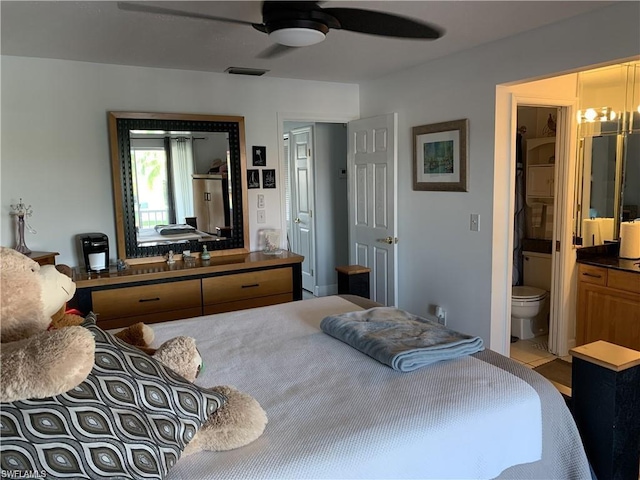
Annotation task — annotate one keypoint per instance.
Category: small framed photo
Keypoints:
(253, 178)
(259, 156)
(268, 178)
(440, 157)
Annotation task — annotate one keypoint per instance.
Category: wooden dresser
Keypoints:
(44, 258)
(158, 292)
(608, 306)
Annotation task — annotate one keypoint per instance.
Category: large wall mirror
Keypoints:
(179, 183)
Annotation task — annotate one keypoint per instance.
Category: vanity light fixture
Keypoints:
(590, 115)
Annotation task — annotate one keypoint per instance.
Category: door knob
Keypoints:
(297, 220)
(389, 240)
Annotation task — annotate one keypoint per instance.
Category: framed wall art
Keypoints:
(440, 156)
(259, 156)
(253, 178)
(269, 178)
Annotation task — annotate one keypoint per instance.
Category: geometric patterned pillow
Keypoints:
(131, 418)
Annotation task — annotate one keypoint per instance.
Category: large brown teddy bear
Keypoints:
(38, 362)
(35, 362)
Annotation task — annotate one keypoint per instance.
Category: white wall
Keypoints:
(440, 261)
(55, 151)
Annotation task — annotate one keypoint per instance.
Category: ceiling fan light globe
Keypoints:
(297, 37)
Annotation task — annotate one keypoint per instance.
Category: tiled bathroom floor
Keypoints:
(533, 352)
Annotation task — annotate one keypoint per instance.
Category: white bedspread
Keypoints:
(335, 413)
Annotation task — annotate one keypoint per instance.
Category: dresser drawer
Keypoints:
(592, 274)
(242, 286)
(146, 299)
(248, 303)
(627, 281)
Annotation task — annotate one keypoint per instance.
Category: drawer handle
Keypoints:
(157, 299)
(251, 286)
(591, 275)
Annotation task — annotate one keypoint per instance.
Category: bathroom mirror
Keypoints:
(179, 183)
(609, 186)
(608, 162)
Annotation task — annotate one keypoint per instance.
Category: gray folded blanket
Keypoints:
(399, 339)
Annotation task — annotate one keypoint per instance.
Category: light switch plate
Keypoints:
(261, 200)
(475, 222)
(262, 217)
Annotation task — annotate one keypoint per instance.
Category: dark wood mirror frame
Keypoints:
(120, 123)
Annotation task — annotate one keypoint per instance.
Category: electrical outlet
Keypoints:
(441, 313)
(261, 200)
(262, 218)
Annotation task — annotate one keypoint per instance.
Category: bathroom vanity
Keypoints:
(608, 306)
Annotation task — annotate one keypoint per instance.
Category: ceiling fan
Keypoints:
(299, 24)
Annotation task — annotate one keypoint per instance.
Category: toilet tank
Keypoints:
(537, 270)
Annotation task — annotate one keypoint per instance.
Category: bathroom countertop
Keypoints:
(606, 256)
(613, 262)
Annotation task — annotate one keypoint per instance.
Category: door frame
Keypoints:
(310, 117)
(563, 282)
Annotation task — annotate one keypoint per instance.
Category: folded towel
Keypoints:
(175, 229)
(536, 214)
(399, 339)
(548, 222)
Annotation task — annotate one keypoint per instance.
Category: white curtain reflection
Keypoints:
(182, 163)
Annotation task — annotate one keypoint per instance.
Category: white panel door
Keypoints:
(302, 211)
(372, 202)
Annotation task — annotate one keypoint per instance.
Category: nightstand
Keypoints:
(353, 280)
(605, 388)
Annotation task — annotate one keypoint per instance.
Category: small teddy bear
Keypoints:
(240, 421)
(139, 335)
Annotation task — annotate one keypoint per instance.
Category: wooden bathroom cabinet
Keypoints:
(608, 306)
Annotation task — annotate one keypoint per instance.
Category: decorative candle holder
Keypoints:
(21, 211)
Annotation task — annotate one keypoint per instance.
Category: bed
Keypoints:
(334, 412)
(337, 413)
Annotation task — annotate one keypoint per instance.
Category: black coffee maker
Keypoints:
(95, 251)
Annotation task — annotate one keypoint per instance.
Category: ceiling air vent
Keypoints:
(255, 72)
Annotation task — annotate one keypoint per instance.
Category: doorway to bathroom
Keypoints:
(540, 248)
(534, 207)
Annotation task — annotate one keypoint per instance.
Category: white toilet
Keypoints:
(530, 302)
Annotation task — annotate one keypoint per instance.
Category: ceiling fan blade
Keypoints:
(275, 50)
(138, 7)
(384, 24)
(301, 6)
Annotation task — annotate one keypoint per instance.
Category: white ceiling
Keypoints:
(96, 31)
